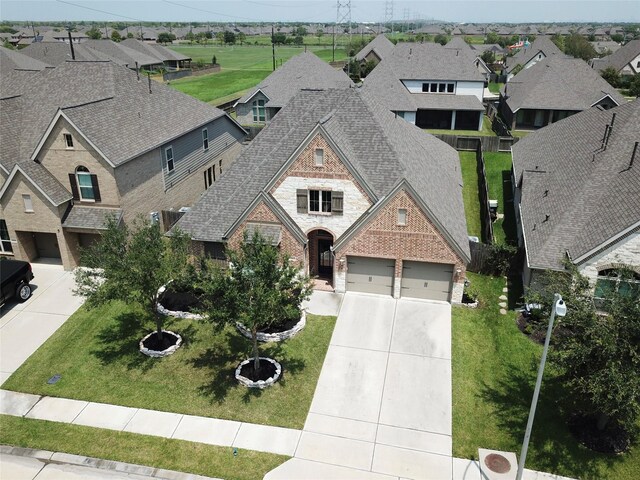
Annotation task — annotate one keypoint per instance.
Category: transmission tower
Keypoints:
(388, 13)
(343, 20)
(405, 19)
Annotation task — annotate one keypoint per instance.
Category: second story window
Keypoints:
(85, 185)
(402, 216)
(169, 158)
(319, 157)
(28, 204)
(205, 139)
(439, 87)
(258, 111)
(68, 140)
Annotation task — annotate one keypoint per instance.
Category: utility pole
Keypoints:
(106, 35)
(334, 44)
(388, 14)
(273, 48)
(343, 15)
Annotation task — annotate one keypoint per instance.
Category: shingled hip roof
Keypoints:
(577, 195)
(383, 149)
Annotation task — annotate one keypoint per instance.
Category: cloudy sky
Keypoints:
(321, 10)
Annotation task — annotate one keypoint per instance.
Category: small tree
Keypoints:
(578, 46)
(441, 39)
(94, 33)
(241, 37)
(190, 36)
(214, 60)
(319, 33)
(279, 38)
(131, 265)
(130, 35)
(229, 37)
(611, 75)
(261, 288)
(488, 57)
(115, 36)
(298, 40)
(165, 37)
(617, 37)
(634, 86)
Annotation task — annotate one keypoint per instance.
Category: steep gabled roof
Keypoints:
(121, 53)
(57, 53)
(558, 83)
(620, 58)
(577, 196)
(383, 149)
(380, 45)
(305, 70)
(153, 50)
(524, 55)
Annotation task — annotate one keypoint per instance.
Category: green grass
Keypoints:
(494, 368)
(217, 86)
(179, 455)
(498, 168)
(495, 87)
(470, 195)
(96, 352)
(485, 132)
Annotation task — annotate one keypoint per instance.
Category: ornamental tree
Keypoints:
(260, 288)
(131, 265)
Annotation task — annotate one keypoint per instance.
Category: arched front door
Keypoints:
(320, 254)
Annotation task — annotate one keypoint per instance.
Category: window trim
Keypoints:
(205, 139)
(86, 173)
(259, 110)
(318, 153)
(322, 193)
(68, 141)
(402, 223)
(166, 159)
(27, 202)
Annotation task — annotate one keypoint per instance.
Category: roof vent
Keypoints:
(546, 193)
(546, 217)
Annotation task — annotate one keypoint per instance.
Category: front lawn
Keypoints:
(179, 455)
(96, 352)
(494, 368)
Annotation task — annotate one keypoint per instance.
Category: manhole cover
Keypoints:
(497, 463)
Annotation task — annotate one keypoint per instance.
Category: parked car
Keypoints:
(15, 276)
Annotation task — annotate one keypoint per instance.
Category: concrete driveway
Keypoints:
(382, 405)
(26, 326)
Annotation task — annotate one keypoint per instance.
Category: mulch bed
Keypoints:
(612, 440)
(267, 370)
(536, 333)
(152, 343)
(189, 301)
(281, 327)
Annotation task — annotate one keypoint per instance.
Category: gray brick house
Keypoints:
(577, 194)
(352, 193)
(88, 139)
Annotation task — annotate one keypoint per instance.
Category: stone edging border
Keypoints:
(260, 383)
(160, 353)
(278, 336)
(175, 313)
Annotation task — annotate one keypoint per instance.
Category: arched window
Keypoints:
(85, 184)
(624, 281)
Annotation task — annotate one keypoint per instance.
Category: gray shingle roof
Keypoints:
(382, 148)
(57, 53)
(270, 232)
(381, 45)
(558, 83)
(523, 55)
(620, 58)
(121, 53)
(305, 70)
(92, 218)
(429, 101)
(153, 50)
(590, 195)
(13, 60)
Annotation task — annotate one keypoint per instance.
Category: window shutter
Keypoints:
(301, 196)
(337, 202)
(74, 186)
(96, 189)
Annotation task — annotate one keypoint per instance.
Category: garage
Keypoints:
(370, 275)
(431, 281)
(46, 245)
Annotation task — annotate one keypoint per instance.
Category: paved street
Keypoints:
(26, 326)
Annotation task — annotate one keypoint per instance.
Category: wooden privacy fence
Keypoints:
(483, 189)
(480, 256)
(169, 218)
(469, 143)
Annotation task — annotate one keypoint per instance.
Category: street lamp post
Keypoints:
(559, 308)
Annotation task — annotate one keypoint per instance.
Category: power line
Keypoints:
(100, 11)
(305, 5)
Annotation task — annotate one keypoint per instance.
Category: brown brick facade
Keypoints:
(418, 240)
(263, 214)
(304, 166)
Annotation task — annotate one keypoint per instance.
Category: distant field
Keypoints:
(243, 67)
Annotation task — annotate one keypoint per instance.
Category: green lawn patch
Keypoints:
(470, 195)
(216, 85)
(498, 168)
(96, 352)
(495, 87)
(179, 455)
(485, 132)
(494, 368)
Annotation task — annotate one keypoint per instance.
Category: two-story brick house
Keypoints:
(352, 193)
(89, 139)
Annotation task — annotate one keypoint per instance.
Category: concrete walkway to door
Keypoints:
(383, 401)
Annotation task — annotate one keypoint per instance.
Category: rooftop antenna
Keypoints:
(73, 54)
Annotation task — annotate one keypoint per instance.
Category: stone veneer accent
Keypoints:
(418, 240)
(624, 253)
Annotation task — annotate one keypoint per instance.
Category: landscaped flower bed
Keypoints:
(180, 303)
(277, 333)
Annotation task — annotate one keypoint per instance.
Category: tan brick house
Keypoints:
(355, 195)
(89, 139)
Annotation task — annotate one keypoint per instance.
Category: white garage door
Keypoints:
(432, 281)
(370, 275)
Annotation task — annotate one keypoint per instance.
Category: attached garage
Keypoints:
(47, 245)
(370, 275)
(431, 281)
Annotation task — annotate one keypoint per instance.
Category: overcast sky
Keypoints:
(321, 10)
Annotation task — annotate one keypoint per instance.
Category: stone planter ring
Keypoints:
(277, 336)
(260, 383)
(161, 353)
(175, 313)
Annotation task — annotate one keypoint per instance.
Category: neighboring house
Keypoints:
(577, 195)
(526, 57)
(14, 60)
(352, 193)
(430, 86)
(551, 90)
(170, 58)
(122, 54)
(306, 70)
(606, 47)
(463, 48)
(375, 50)
(88, 139)
(626, 60)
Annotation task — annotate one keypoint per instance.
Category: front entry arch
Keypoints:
(321, 254)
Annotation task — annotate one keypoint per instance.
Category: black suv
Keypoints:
(15, 276)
